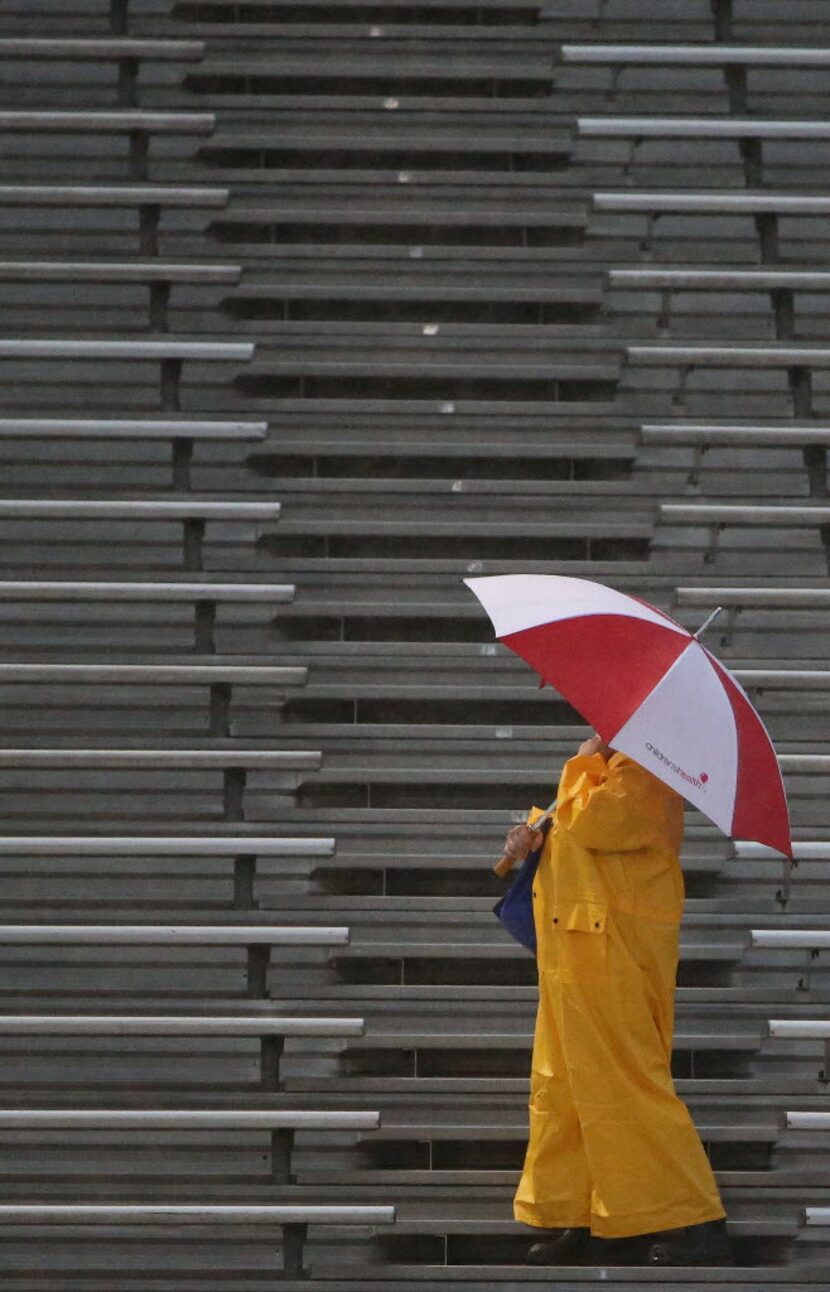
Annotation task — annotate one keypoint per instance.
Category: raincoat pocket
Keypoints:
(579, 942)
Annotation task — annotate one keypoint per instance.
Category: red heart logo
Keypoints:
(704, 776)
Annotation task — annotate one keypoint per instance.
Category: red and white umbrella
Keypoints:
(650, 689)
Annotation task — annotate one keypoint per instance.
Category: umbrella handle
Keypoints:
(503, 867)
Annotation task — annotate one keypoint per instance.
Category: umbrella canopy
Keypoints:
(651, 690)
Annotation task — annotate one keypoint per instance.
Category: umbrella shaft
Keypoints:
(706, 623)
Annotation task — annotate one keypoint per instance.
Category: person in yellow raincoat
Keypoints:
(613, 1154)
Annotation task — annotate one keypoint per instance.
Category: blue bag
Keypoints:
(515, 909)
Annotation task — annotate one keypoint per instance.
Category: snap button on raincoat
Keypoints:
(611, 1145)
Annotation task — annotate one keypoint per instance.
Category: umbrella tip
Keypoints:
(707, 623)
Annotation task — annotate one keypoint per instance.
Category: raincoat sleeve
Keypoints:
(612, 806)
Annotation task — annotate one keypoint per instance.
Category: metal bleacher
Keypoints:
(309, 309)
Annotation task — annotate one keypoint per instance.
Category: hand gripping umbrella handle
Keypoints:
(506, 863)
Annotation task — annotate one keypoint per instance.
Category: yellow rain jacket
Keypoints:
(611, 1145)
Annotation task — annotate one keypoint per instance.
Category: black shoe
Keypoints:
(707, 1244)
(561, 1248)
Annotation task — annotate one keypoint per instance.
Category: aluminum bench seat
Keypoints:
(132, 429)
(26, 1220)
(714, 224)
(102, 49)
(99, 350)
(806, 764)
(154, 674)
(804, 1029)
(171, 935)
(726, 356)
(176, 1025)
(694, 79)
(239, 1047)
(187, 1119)
(54, 857)
(112, 219)
(295, 760)
(717, 291)
(689, 279)
(168, 1133)
(61, 382)
(191, 514)
(152, 271)
(38, 597)
(784, 435)
(109, 196)
(117, 122)
(714, 520)
(715, 55)
(720, 203)
(179, 846)
(190, 1214)
(162, 590)
(203, 776)
(95, 780)
(807, 1121)
(792, 939)
(800, 1029)
(698, 128)
(717, 516)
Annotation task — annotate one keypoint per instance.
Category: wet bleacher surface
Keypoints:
(309, 309)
